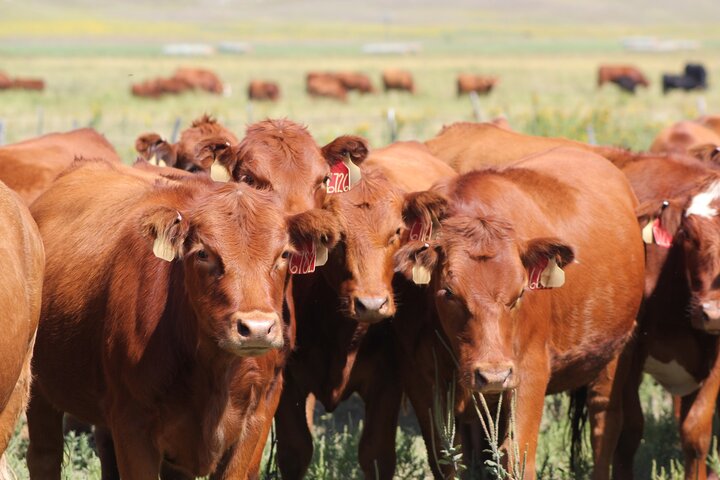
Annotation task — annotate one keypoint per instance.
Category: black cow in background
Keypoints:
(626, 83)
(694, 78)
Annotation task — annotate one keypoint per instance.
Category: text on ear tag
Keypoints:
(420, 275)
(662, 236)
(647, 233)
(422, 231)
(219, 173)
(163, 249)
(303, 261)
(343, 176)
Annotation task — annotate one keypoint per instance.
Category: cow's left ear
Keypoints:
(416, 261)
(317, 225)
(544, 259)
(167, 228)
(347, 146)
(152, 145)
(212, 150)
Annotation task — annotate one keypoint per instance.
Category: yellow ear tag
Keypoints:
(553, 276)
(420, 275)
(153, 160)
(163, 249)
(647, 233)
(219, 173)
(321, 254)
(353, 171)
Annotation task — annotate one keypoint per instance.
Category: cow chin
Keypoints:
(706, 317)
(247, 349)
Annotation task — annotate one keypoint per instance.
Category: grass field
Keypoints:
(547, 87)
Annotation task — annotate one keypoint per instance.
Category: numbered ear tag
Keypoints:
(343, 176)
(420, 275)
(305, 260)
(647, 233)
(424, 232)
(662, 236)
(546, 274)
(163, 249)
(219, 173)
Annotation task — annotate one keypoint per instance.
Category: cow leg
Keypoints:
(45, 426)
(377, 442)
(137, 456)
(265, 418)
(16, 403)
(294, 440)
(528, 414)
(106, 453)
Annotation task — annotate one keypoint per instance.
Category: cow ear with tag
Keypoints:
(167, 228)
(344, 155)
(215, 155)
(544, 260)
(313, 234)
(416, 261)
(156, 150)
(422, 212)
(660, 220)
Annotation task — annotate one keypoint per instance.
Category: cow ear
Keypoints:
(167, 228)
(212, 150)
(416, 261)
(427, 207)
(669, 212)
(708, 153)
(317, 225)
(539, 250)
(347, 146)
(151, 145)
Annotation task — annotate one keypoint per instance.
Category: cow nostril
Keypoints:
(480, 379)
(359, 306)
(243, 329)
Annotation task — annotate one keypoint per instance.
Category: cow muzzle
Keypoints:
(493, 377)
(372, 309)
(709, 320)
(254, 333)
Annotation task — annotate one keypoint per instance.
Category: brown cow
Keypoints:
(169, 347)
(157, 87)
(201, 78)
(499, 229)
(683, 136)
(22, 264)
(263, 90)
(36, 84)
(5, 81)
(341, 348)
(30, 166)
(608, 73)
(355, 81)
(480, 84)
(398, 80)
(325, 85)
(183, 154)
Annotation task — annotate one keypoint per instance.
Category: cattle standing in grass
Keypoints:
(398, 80)
(201, 78)
(325, 85)
(155, 88)
(342, 346)
(36, 84)
(626, 84)
(172, 347)
(263, 90)
(607, 73)
(566, 213)
(355, 81)
(693, 78)
(21, 274)
(5, 81)
(30, 166)
(479, 84)
(683, 136)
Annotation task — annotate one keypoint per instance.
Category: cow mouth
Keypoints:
(706, 323)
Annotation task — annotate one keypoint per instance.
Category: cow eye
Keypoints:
(247, 179)
(397, 232)
(194, 169)
(447, 292)
(517, 299)
(202, 255)
(285, 254)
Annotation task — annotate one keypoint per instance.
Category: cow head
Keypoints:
(361, 266)
(281, 156)
(708, 153)
(693, 224)
(477, 273)
(232, 245)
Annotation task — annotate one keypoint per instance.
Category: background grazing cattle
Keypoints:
(606, 73)
(683, 136)
(157, 87)
(355, 81)
(625, 83)
(394, 79)
(694, 77)
(325, 85)
(30, 166)
(22, 264)
(5, 81)
(21, 83)
(508, 225)
(183, 154)
(481, 84)
(263, 90)
(202, 79)
(172, 385)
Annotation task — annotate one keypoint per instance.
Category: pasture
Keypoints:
(550, 91)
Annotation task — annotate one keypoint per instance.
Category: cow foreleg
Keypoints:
(377, 442)
(45, 426)
(632, 423)
(136, 453)
(294, 441)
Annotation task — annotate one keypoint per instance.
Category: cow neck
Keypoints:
(668, 302)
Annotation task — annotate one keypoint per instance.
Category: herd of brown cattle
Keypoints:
(179, 314)
(7, 83)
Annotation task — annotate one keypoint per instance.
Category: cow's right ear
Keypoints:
(347, 146)
(708, 153)
(422, 212)
(416, 261)
(669, 214)
(167, 228)
(214, 149)
(150, 145)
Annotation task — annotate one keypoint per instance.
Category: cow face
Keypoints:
(478, 273)
(361, 266)
(281, 156)
(233, 245)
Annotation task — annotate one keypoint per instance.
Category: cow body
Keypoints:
(480, 84)
(22, 263)
(325, 85)
(398, 80)
(30, 166)
(201, 79)
(263, 90)
(694, 77)
(607, 73)
(550, 340)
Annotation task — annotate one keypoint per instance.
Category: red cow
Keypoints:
(170, 347)
(22, 264)
(481, 84)
(263, 90)
(325, 85)
(30, 166)
(398, 80)
(341, 348)
(608, 73)
(5, 81)
(355, 81)
(506, 234)
(201, 78)
(36, 84)
(683, 136)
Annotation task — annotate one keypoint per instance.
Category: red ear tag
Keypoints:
(662, 236)
(343, 176)
(535, 273)
(303, 261)
(424, 232)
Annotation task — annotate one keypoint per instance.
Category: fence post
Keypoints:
(392, 124)
(591, 135)
(249, 109)
(2, 131)
(40, 115)
(477, 111)
(701, 105)
(175, 131)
